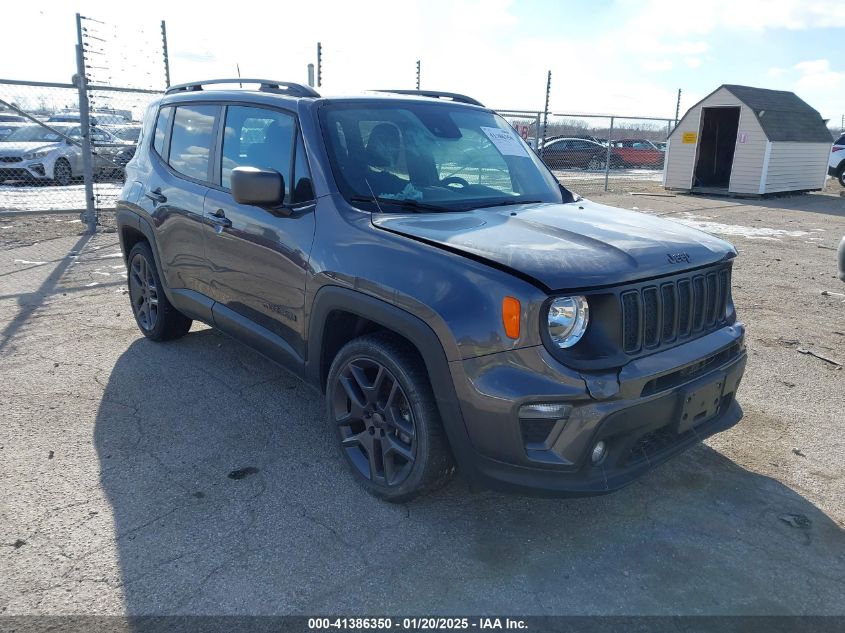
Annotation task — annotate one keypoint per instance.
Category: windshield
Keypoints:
(440, 156)
(39, 134)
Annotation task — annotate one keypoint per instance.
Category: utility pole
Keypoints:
(546, 111)
(166, 58)
(418, 74)
(319, 64)
(89, 215)
(678, 107)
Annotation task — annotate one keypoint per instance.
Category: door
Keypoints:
(257, 257)
(556, 154)
(174, 193)
(717, 142)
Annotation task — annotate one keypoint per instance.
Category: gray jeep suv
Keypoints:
(409, 256)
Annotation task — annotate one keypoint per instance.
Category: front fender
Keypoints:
(331, 298)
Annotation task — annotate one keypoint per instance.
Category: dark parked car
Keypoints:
(410, 257)
(128, 134)
(575, 153)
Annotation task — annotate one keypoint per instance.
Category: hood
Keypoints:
(566, 246)
(20, 148)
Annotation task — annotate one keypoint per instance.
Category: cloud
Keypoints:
(693, 62)
(705, 16)
(691, 48)
(657, 65)
(818, 75)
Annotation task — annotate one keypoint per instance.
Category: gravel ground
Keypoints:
(115, 456)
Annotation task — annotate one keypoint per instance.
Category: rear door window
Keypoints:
(192, 139)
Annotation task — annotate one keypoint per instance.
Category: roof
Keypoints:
(783, 115)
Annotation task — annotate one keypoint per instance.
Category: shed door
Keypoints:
(716, 146)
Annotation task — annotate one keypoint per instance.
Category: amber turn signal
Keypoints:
(510, 316)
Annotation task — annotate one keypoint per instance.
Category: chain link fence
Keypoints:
(64, 146)
(595, 153)
(42, 166)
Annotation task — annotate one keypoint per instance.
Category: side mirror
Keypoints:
(257, 186)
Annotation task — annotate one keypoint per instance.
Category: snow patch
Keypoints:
(26, 261)
(748, 232)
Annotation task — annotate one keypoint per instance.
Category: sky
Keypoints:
(623, 57)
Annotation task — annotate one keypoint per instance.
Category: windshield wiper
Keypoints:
(507, 202)
(405, 203)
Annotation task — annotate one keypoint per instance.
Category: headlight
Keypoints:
(41, 153)
(568, 317)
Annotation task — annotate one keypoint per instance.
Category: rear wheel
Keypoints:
(381, 404)
(156, 317)
(62, 173)
(841, 175)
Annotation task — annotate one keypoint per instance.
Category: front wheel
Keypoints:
(841, 175)
(388, 426)
(62, 173)
(596, 163)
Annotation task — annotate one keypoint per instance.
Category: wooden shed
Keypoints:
(751, 141)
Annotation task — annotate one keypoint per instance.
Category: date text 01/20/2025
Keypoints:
(416, 624)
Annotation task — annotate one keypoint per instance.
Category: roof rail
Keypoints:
(266, 85)
(436, 94)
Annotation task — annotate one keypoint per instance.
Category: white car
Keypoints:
(836, 163)
(34, 153)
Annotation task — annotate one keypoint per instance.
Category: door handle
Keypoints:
(219, 218)
(156, 196)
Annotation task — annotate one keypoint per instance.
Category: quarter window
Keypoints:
(192, 140)
(257, 137)
(162, 122)
(303, 190)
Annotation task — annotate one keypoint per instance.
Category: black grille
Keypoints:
(650, 317)
(655, 315)
(10, 159)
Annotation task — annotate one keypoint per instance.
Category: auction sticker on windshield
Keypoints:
(505, 141)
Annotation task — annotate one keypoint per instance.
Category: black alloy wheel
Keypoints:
(375, 422)
(386, 419)
(143, 292)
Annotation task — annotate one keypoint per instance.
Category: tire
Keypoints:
(62, 172)
(156, 317)
(380, 403)
(841, 174)
(596, 163)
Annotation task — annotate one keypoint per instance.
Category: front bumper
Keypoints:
(27, 170)
(637, 411)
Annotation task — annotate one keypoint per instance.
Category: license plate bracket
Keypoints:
(701, 402)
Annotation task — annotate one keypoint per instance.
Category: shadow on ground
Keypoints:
(292, 533)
